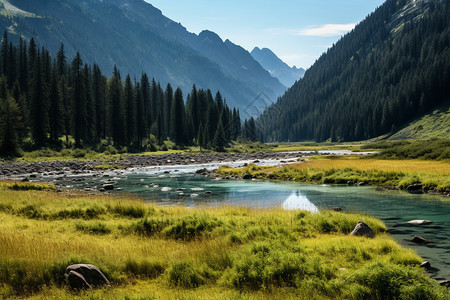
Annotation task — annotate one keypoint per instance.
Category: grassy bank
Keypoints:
(435, 175)
(179, 253)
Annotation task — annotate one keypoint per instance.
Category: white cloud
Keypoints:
(326, 30)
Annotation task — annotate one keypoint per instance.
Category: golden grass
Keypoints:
(407, 166)
(435, 175)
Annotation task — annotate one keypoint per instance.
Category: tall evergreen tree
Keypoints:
(117, 122)
(131, 111)
(220, 141)
(39, 104)
(178, 119)
(78, 100)
(55, 110)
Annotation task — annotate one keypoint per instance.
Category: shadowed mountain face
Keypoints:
(137, 37)
(393, 68)
(276, 67)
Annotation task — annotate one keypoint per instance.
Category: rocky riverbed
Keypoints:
(15, 170)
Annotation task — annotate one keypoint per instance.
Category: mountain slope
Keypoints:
(433, 125)
(391, 69)
(136, 37)
(276, 67)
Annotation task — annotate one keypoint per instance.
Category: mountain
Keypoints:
(137, 37)
(276, 67)
(393, 68)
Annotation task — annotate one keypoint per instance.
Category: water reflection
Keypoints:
(299, 201)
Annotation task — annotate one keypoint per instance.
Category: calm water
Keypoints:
(395, 208)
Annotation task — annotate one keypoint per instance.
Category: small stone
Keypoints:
(426, 265)
(108, 187)
(445, 283)
(420, 240)
(362, 229)
(419, 222)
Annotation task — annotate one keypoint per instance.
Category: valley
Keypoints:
(140, 160)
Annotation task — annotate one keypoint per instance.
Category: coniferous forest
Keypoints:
(392, 68)
(54, 102)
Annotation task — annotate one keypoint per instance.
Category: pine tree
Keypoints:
(201, 137)
(117, 122)
(78, 101)
(39, 104)
(219, 138)
(55, 110)
(168, 97)
(10, 123)
(131, 111)
(178, 119)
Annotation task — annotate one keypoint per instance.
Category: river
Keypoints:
(179, 185)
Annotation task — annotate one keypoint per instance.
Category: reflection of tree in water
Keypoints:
(299, 201)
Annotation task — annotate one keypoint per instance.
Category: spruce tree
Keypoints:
(10, 122)
(116, 109)
(39, 104)
(220, 142)
(78, 99)
(178, 119)
(131, 111)
(55, 110)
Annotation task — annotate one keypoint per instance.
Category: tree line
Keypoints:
(382, 75)
(47, 101)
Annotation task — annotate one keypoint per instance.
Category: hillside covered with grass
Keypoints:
(167, 253)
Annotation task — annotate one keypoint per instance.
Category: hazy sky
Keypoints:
(298, 31)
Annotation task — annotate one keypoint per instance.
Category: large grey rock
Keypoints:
(82, 276)
(362, 229)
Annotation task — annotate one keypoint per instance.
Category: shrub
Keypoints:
(146, 269)
(388, 281)
(191, 227)
(149, 227)
(184, 274)
(78, 153)
(97, 229)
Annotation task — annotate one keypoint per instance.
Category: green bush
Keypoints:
(146, 269)
(149, 226)
(191, 227)
(265, 265)
(185, 274)
(382, 280)
(96, 229)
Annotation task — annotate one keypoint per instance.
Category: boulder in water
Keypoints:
(419, 222)
(420, 240)
(108, 187)
(415, 188)
(362, 229)
(426, 265)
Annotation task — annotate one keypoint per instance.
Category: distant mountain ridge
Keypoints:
(137, 37)
(276, 67)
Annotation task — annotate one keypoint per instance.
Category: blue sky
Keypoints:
(298, 31)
